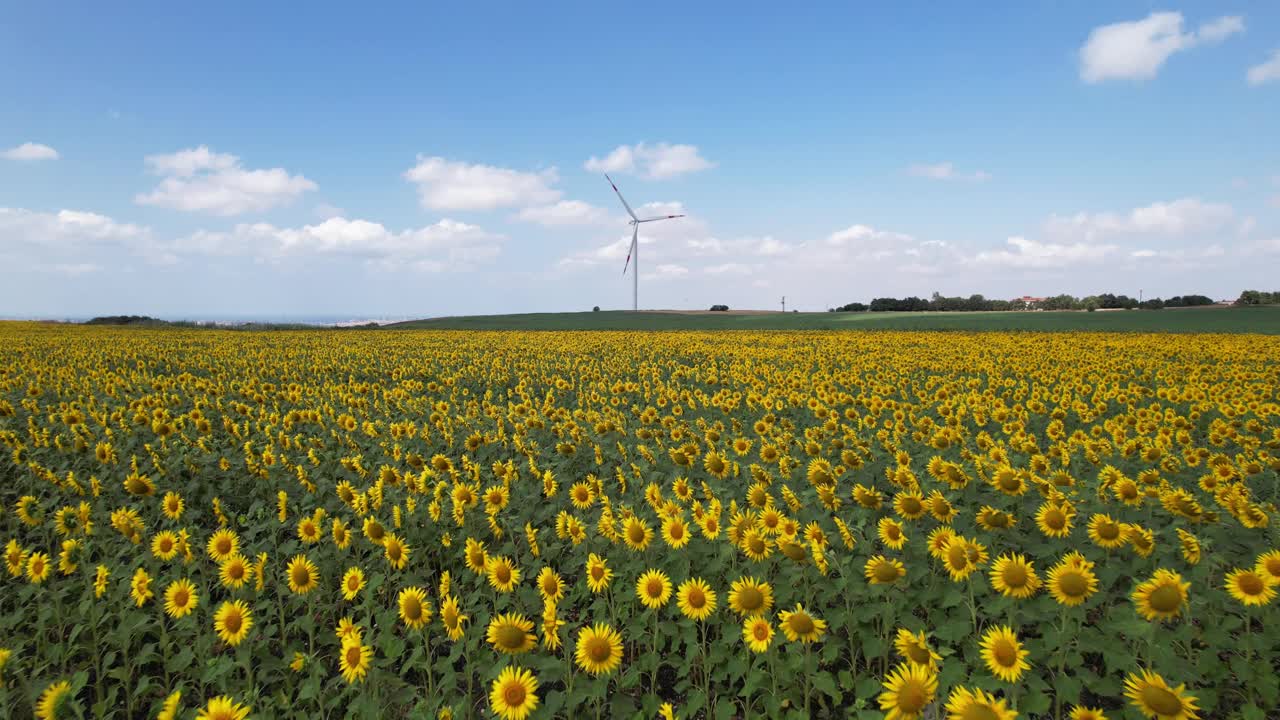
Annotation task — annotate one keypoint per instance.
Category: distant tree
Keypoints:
(1152, 304)
(1256, 297)
(595, 309)
(719, 308)
(852, 307)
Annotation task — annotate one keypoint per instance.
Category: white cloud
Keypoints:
(73, 269)
(1031, 254)
(1136, 50)
(30, 151)
(65, 228)
(1178, 217)
(946, 171)
(450, 185)
(671, 270)
(445, 245)
(565, 212)
(1267, 71)
(200, 180)
(731, 268)
(657, 161)
(324, 211)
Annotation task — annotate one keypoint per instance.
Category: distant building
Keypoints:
(1029, 302)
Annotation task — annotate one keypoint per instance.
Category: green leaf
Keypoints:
(827, 684)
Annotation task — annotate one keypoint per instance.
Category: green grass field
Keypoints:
(1189, 320)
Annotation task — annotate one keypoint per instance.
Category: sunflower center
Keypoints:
(1161, 700)
(235, 571)
(893, 532)
(957, 558)
(598, 649)
(513, 694)
(550, 586)
(697, 599)
(597, 573)
(677, 531)
(1015, 575)
(1005, 653)
(232, 622)
(1250, 584)
(911, 506)
(919, 654)
(654, 587)
(180, 598)
(1108, 531)
(757, 545)
(412, 608)
(353, 583)
(911, 698)
(376, 532)
(978, 712)
(503, 573)
(223, 546)
(1055, 519)
(1008, 481)
(353, 656)
(1272, 565)
(750, 598)
(1166, 598)
(1072, 584)
(635, 533)
(760, 631)
(801, 623)
(300, 576)
(510, 637)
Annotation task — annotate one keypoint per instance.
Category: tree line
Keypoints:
(976, 303)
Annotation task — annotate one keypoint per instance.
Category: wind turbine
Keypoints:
(635, 244)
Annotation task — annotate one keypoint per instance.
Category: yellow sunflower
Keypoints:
(38, 568)
(654, 589)
(1251, 587)
(232, 621)
(140, 587)
(1106, 532)
(636, 534)
(510, 633)
(1268, 565)
(550, 585)
(675, 532)
(1153, 697)
(798, 624)
(452, 618)
(757, 633)
(1162, 597)
(1080, 712)
(1004, 655)
(354, 659)
(513, 694)
(749, 597)
(352, 583)
(891, 534)
(598, 649)
(222, 544)
(1012, 575)
(966, 704)
(598, 573)
(234, 571)
(396, 551)
(164, 545)
(302, 574)
(914, 648)
(883, 571)
(415, 608)
(180, 598)
(908, 690)
(477, 558)
(223, 707)
(696, 599)
(503, 574)
(51, 700)
(1072, 584)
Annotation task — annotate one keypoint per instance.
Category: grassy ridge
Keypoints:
(1264, 320)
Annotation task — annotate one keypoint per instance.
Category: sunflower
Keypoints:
(716, 465)
(355, 659)
(915, 649)
(964, 704)
(1162, 597)
(908, 690)
(654, 589)
(1003, 654)
(1080, 712)
(347, 629)
(352, 583)
(222, 544)
(100, 581)
(38, 568)
(582, 495)
(1072, 584)
(749, 597)
(341, 534)
(675, 532)
(374, 531)
(503, 574)
(452, 618)
(598, 573)
(223, 708)
(308, 531)
(509, 633)
(992, 519)
(234, 572)
(15, 557)
(514, 694)
(140, 587)
(1012, 575)
(477, 558)
(940, 508)
(550, 585)
(169, 710)
(396, 551)
(1105, 531)
(909, 504)
(415, 608)
(695, 598)
(1251, 587)
(180, 598)
(1141, 539)
(1268, 565)
(755, 545)
(883, 571)
(51, 699)
(164, 545)
(757, 633)
(598, 649)
(302, 574)
(798, 624)
(890, 532)
(1155, 699)
(636, 534)
(232, 621)
(958, 559)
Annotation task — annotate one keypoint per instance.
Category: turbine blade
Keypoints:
(635, 236)
(624, 200)
(661, 217)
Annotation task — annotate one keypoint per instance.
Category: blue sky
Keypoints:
(249, 159)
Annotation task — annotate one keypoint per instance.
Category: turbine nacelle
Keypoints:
(634, 249)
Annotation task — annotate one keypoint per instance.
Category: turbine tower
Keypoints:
(634, 250)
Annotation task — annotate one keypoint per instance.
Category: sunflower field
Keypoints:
(433, 524)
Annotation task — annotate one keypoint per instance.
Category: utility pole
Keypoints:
(1139, 295)
(784, 303)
